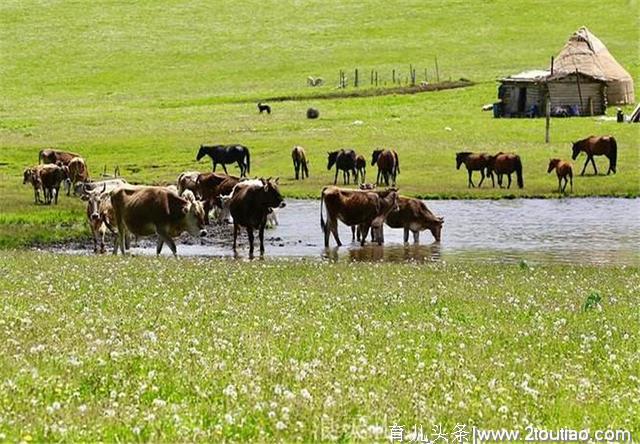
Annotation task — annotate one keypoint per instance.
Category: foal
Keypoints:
(563, 169)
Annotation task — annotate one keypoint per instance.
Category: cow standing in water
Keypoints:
(144, 211)
(414, 216)
(355, 208)
(100, 215)
(249, 207)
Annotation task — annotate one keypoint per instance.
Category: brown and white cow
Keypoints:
(77, 172)
(32, 176)
(49, 155)
(249, 207)
(413, 215)
(52, 176)
(212, 186)
(188, 180)
(144, 211)
(359, 208)
(100, 215)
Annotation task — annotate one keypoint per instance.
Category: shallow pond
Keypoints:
(589, 230)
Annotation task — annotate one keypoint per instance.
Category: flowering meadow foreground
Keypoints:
(163, 349)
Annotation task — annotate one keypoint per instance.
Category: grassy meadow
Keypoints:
(277, 351)
(142, 85)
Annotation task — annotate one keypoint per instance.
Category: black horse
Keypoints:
(224, 154)
(344, 160)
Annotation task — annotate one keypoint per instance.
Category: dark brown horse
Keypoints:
(300, 163)
(563, 169)
(361, 168)
(473, 162)
(344, 160)
(388, 165)
(505, 163)
(597, 146)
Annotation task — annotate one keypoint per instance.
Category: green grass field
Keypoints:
(141, 86)
(197, 350)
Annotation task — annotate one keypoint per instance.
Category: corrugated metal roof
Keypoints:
(533, 75)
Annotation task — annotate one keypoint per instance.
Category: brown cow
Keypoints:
(213, 185)
(249, 207)
(52, 176)
(413, 215)
(145, 210)
(188, 180)
(77, 171)
(49, 155)
(32, 176)
(359, 208)
(100, 215)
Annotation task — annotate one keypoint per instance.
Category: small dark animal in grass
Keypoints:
(52, 176)
(144, 211)
(597, 146)
(361, 168)
(344, 160)
(355, 208)
(262, 107)
(473, 162)
(225, 154)
(32, 176)
(49, 155)
(388, 165)
(250, 207)
(300, 163)
(312, 113)
(213, 185)
(505, 163)
(563, 170)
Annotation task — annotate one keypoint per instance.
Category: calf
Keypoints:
(32, 176)
(52, 176)
(188, 180)
(49, 155)
(413, 215)
(249, 208)
(144, 211)
(363, 209)
(100, 215)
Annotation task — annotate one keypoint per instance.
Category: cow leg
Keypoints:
(353, 233)
(250, 236)
(164, 237)
(335, 179)
(261, 235)
(406, 235)
(95, 239)
(470, 185)
(334, 231)
(416, 237)
(236, 227)
(365, 230)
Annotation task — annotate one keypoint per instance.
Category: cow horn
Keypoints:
(441, 219)
(104, 188)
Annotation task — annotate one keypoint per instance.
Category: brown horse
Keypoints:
(361, 168)
(563, 169)
(300, 162)
(473, 162)
(505, 163)
(597, 146)
(388, 165)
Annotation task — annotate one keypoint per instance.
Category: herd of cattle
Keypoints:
(114, 205)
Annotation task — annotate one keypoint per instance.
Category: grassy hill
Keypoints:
(141, 85)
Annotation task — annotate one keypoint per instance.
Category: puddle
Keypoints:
(576, 231)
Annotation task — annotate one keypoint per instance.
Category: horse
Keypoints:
(344, 160)
(505, 163)
(388, 165)
(300, 162)
(361, 168)
(473, 162)
(563, 169)
(224, 154)
(597, 146)
(262, 107)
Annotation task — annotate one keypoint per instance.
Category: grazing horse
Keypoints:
(388, 165)
(344, 160)
(361, 168)
(300, 162)
(224, 154)
(473, 162)
(597, 146)
(505, 163)
(563, 169)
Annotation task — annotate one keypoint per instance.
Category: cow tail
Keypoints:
(248, 160)
(519, 172)
(613, 154)
(397, 163)
(40, 156)
(322, 223)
